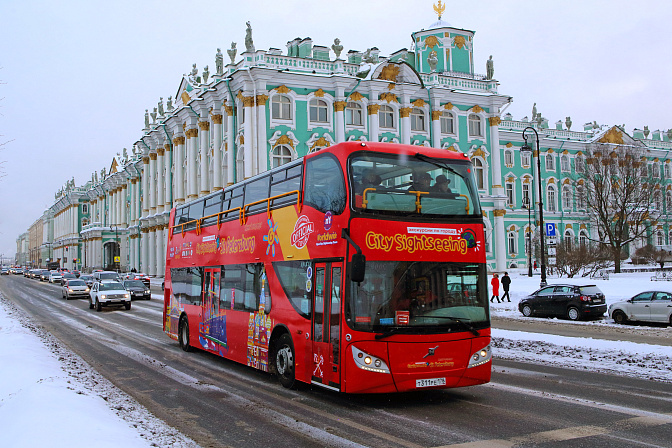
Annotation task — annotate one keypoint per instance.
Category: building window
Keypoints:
(386, 117)
(564, 163)
(660, 239)
(668, 199)
(85, 208)
(550, 162)
(666, 170)
(417, 119)
(658, 200)
(509, 194)
(479, 172)
(318, 111)
(281, 155)
(580, 198)
(525, 158)
(240, 164)
(475, 126)
(551, 206)
(578, 164)
(447, 123)
(353, 114)
(281, 107)
(568, 240)
(511, 242)
(508, 158)
(583, 239)
(527, 201)
(566, 198)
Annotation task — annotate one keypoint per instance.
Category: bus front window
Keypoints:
(418, 296)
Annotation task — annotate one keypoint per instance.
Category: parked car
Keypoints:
(55, 277)
(571, 301)
(105, 275)
(74, 288)
(87, 278)
(137, 289)
(109, 293)
(649, 306)
(67, 276)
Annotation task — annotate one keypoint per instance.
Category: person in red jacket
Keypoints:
(495, 288)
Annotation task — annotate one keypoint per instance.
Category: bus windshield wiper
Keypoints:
(466, 325)
(386, 333)
(432, 161)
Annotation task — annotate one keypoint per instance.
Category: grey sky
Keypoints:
(78, 75)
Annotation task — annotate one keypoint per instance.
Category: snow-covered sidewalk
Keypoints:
(50, 397)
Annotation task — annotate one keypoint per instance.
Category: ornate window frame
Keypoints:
(274, 122)
(329, 101)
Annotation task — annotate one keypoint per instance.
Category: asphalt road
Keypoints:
(219, 403)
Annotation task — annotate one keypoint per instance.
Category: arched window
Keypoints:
(417, 119)
(281, 155)
(511, 242)
(566, 198)
(668, 199)
(656, 170)
(660, 238)
(353, 114)
(578, 164)
(583, 239)
(475, 128)
(666, 169)
(281, 107)
(550, 162)
(658, 200)
(509, 194)
(527, 197)
(564, 163)
(567, 240)
(386, 117)
(508, 158)
(479, 172)
(447, 123)
(525, 158)
(240, 164)
(319, 112)
(580, 198)
(551, 205)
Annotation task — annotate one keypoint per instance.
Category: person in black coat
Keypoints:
(506, 282)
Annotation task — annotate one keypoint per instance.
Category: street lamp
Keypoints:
(542, 230)
(528, 206)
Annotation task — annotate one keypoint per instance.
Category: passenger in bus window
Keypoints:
(370, 180)
(441, 184)
(421, 181)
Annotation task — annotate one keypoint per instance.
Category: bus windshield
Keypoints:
(419, 296)
(400, 184)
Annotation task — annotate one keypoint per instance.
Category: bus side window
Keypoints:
(293, 278)
(325, 184)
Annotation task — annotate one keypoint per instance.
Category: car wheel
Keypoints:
(184, 335)
(127, 305)
(67, 296)
(90, 303)
(99, 307)
(573, 313)
(284, 361)
(619, 317)
(527, 310)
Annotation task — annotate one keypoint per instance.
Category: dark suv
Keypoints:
(570, 301)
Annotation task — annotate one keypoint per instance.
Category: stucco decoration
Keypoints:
(356, 96)
(494, 121)
(419, 103)
(319, 93)
(459, 41)
(316, 140)
(283, 139)
(509, 145)
(389, 97)
(282, 89)
(353, 138)
(448, 106)
(389, 73)
(614, 136)
(431, 41)
(477, 109)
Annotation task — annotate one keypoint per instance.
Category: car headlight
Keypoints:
(147, 292)
(126, 296)
(480, 357)
(102, 296)
(86, 290)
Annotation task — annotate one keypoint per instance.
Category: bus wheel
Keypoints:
(184, 335)
(284, 361)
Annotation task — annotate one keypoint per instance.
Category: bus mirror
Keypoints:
(357, 268)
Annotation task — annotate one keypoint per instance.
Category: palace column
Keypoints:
(339, 120)
(248, 134)
(374, 128)
(168, 194)
(144, 251)
(216, 152)
(151, 259)
(145, 186)
(230, 146)
(178, 163)
(498, 194)
(151, 183)
(261, 140)
(405, 125)
(192, 165)
(204, 141)
(500, 240)
(436, 128)
(160, 189)
(160, 250)
(131, 191)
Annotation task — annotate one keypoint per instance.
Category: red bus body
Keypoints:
(334, 345)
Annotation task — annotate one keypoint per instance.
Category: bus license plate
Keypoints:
(430, 382)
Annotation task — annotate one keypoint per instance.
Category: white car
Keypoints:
(649, 306)
(74, 288)
(109, 293)
(55, 277)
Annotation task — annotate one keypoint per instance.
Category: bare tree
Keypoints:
(622, 195)
(584, 260)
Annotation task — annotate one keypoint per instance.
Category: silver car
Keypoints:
(74, 288)
(108, 293)
(649, 306)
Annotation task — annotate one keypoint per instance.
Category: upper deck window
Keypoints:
(407, 185)
(325, 184)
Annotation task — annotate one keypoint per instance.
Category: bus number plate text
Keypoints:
(430, 382)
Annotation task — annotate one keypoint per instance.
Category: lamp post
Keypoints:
(542, 230)
(528, 206)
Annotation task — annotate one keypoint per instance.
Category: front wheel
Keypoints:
(284, 361)
(99, 307)
(127, 305)
(573, 313)
(620, 317)
(90, 303)
(527, 310)
(184, 335)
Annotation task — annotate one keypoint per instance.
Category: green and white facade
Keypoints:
(267, 108)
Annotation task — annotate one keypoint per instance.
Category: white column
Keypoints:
(152, 183)
(204, 147)
(248, 133)
(178, 163)
(339, 120)
(261, 154)
(216, 152)
(131, 194)
(160, 252)
(230, 147)
(192, 165)
(405, 115)
(160, 189)
(145, 186)
(374, 127)
(151, 266)
(122, 205)
(436, 128)
(500, 240)
(137, 208)
(168, 195)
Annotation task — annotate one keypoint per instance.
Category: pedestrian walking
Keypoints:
(495, 288)
(506, 282)
(535, 265)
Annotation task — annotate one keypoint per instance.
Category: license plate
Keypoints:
(430, 382)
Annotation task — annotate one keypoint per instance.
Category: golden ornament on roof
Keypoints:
(439, 9)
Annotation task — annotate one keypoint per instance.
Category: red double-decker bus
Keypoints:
(359, 268)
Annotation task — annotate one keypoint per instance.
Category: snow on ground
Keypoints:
(42, 381)
(50, 397)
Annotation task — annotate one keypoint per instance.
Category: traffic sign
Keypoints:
(551, 250)
(550, 229)
(551, 260)
(551, 241)
(117, 259)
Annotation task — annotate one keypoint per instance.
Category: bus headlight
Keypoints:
(481, 357)
(368, 362)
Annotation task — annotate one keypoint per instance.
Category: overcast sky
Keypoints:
(77, 76)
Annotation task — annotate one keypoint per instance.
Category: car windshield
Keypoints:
(417, 296)
(409, 185)
(76, 283)
(107, 275)
(134, 283)
(85, 277)
(110, 286)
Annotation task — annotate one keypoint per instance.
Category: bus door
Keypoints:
(326, 333)
(209, 327)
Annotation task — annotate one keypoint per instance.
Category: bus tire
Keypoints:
(184, 335)
(284, 361)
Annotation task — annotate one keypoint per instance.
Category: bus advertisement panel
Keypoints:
(318, 275)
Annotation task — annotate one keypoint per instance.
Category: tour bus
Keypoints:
(353, 268)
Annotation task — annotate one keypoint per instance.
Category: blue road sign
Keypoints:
(550, 229)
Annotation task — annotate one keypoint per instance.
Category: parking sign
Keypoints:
(550, 229)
